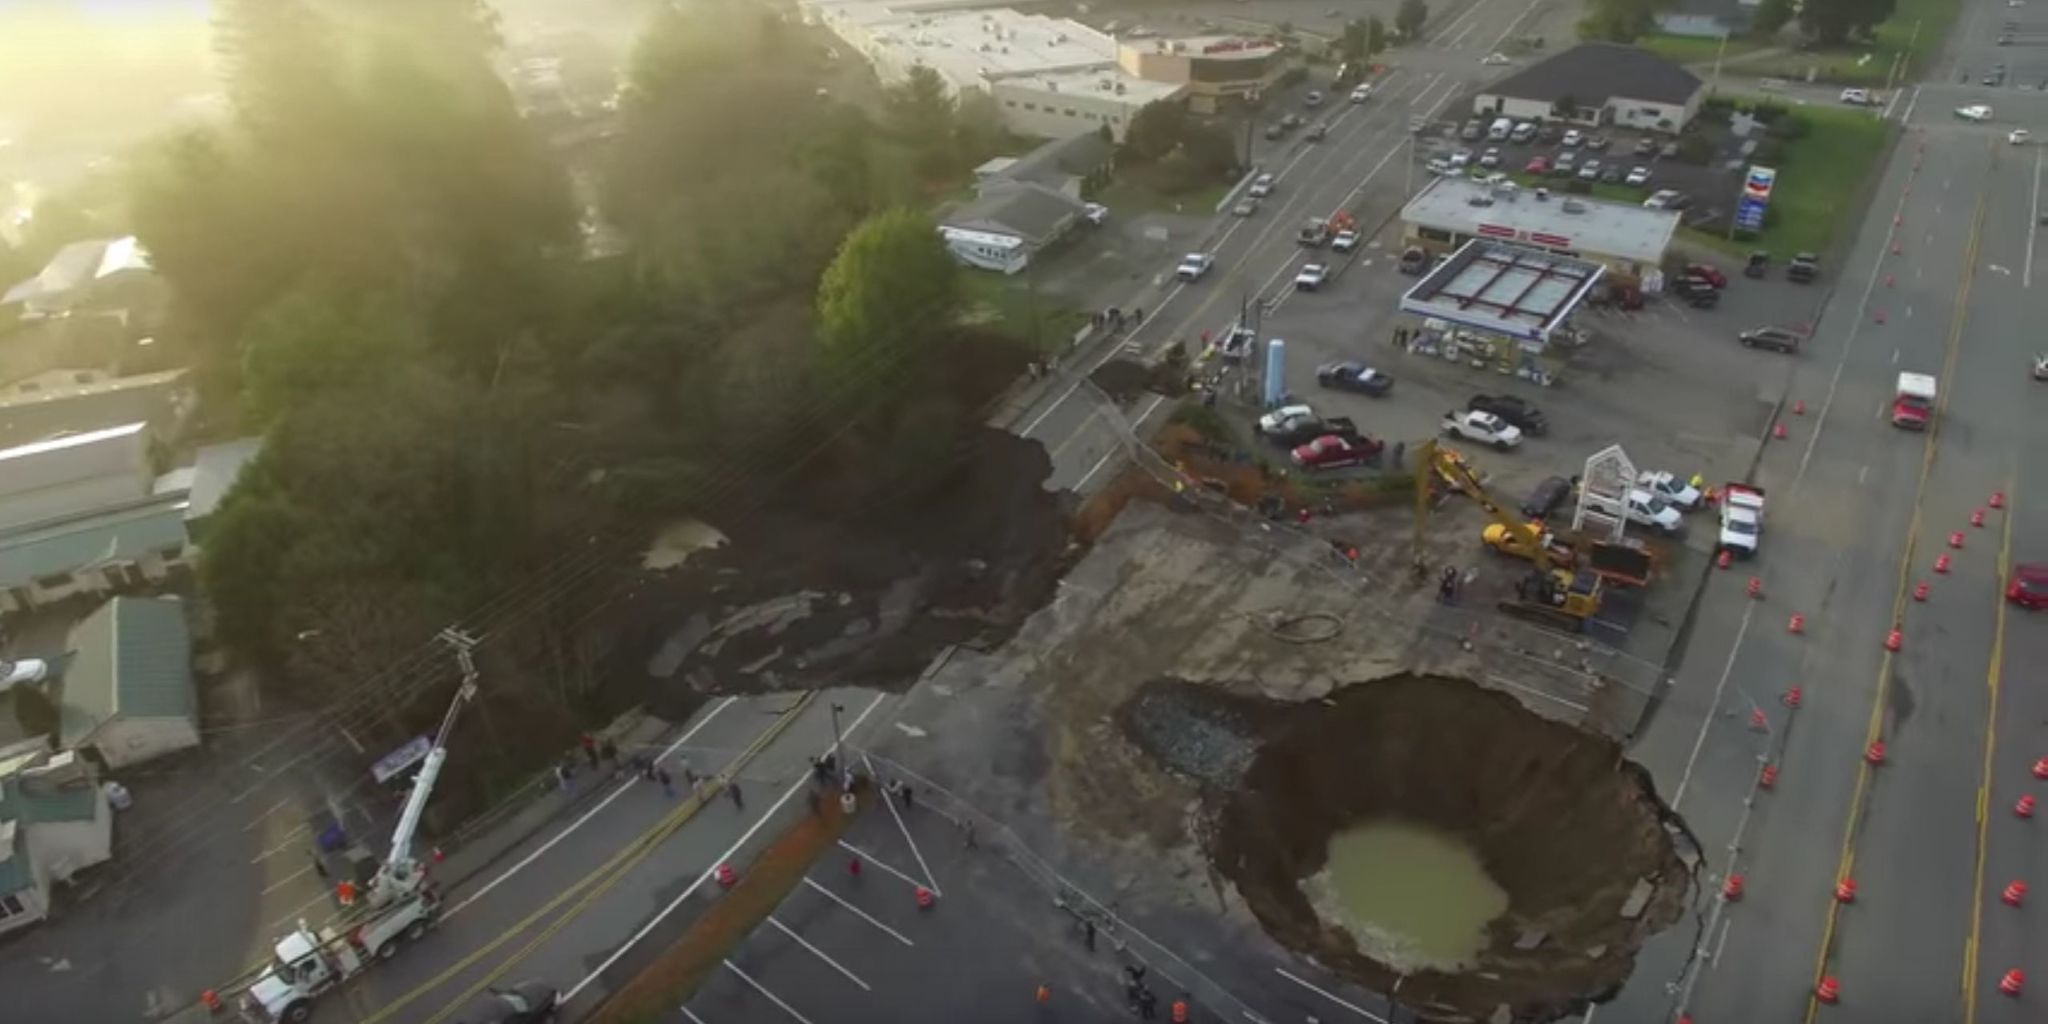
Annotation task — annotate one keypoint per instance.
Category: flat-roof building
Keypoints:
(1629, 240)
(1211, 69)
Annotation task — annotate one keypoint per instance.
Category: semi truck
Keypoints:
(1913, 401)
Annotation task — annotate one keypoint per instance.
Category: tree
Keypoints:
(312, 341)
(1376, 34)
(1770, 16)
(1832, 22)
(890, 293)
(1353, 44)
(1620, 21)
(1565, 108)
(1410, 18)
(924, 117)
(1158, 128)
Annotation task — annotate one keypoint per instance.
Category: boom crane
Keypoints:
(401, 874)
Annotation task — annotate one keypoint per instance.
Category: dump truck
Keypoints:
(1913, 401)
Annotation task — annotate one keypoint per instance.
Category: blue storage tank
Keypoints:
(1276, 376)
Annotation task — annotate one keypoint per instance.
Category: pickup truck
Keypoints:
(1313, 233)
(1301, 432)
(305, 965)
(1331, 451)
(1483, 427)
(1742, 519)
(1642, 508)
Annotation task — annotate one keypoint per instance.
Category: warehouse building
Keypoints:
(1627, 239)
(1210, 70)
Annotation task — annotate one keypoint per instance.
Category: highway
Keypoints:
(1859, 512)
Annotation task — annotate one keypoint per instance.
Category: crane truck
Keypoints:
(399, 904)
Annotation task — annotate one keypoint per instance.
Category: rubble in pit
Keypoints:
(1592, 861)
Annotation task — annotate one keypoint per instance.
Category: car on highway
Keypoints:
(1194, 266)
(2029, 586)
(1513, 409)
(1333, 452)
(1262, 186)
(1285, 418)
(1538, 164)
(1318, 131)
(1674, 489)
(1777, 339)
(1354, 376)
(1311, 277)
(1572, 139)
(1245, 207)
(1361, 93)
(1974, 112)
(1491, 158)
(2018, 136)
(1345, 241)
(1859, 97)
(1637, 177)
(528, 1002)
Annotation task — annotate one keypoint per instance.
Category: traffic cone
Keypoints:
(1890, 281)
(1955, 540)
(1731, 890)
(1894, 640)
(1180, 1011)
(2024, 806)
(1758, 722)
(1044, 994)
(1754, 588)
(727, 877)
(1768, 777)
(1997, 499)
(1778, 431)
(2015, 893)
(1874, 753)
(2041, 768)
(924, 898)
(1724, 559)
(1797, 624)
(1977, 517)
(1828, 991)
(1845, 891)
(1791, 698)
(1920, 591)
(853, 867)
(2012, 982)
(1941, 563)
(211, 1000)
(1799, 407)
(1895, 248)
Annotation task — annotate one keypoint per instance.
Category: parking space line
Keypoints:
(587, 815)
(274, 808)
(864, 915)
(291, 839)
(870, 858)
(286, 880)
(694, 1019)
(763, 989)
(835, 965)
(929, 878)
(1117, 449)
(1353, 1007)
(293, 917)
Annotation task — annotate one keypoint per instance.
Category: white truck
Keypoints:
(1913, 401)
(1483, 427)
(399, 904)
(1742, 519)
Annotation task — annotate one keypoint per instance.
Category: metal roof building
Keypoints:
(1628, 239)
(1504, 289)
(128, 691)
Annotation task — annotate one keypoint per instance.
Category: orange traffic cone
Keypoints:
(1180, 1010)
(1768, 777)
(1874, 753)
(1758, 722)
(1778, 431)
(924, 898)
(1941, 563)
(1997, 499)
(2041, 768)
(211, 1000)
(1754, 588)
(1731, 890)
(2012, 982)
(2024, 807)
(1845, 891)
(1828, 991)
(1724, 559)
(727, 877)
(1894, 640)
(2015, 893)
(1044, 993)
(1799, 407)
(1920, 591)
(1797, 624)
(1955, 539)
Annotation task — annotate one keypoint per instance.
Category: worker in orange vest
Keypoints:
(346, 893)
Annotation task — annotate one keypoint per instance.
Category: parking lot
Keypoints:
(1617, 152)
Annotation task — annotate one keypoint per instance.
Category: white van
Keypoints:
(1501, 129)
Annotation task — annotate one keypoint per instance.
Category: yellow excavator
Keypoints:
(1554, 593)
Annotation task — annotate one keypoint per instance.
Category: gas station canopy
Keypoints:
(1504, 289)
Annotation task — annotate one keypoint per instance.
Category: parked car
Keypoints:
(1857, 97)
(1317, 131)
(1311, 277)
(1262, 186)
(1538, 164)
(528, 1002)
(1674, 489)
(1637, 177)
(1610, 175)
(1758, 264)
(2029, 586)
(1483, 427)
(1513, 409)
(1564, 165)
(1589, 171)
(1490, 159)
(1305, 431)
(1414, 261)
(1572, 139)
(1707, 272)
(1194, 265)
(1804, 268)
(1313, 99)
(22, 671)
(1523, 132)
(1695, 293)
(1641, 508)
(1333, 452)
(1547, 495)
(1667, 151)
(1471, 130)
(1665, 199)
(2018, 136)
(1354, 376)
(1461, 159)
(1596, 142)
(1646, 146)
(1777, 339)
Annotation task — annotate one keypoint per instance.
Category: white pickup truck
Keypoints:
(1742, 519)
(1483, 427)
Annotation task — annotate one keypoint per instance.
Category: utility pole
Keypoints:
(838, 747)
(1714, 88)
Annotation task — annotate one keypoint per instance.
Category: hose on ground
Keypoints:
(1306, 628)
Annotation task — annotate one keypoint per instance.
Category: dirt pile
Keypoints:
(806, 595)
(1574, 833)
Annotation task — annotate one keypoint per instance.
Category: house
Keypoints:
(128, 692)
(78, 401)
(1598, 84)
(1067, 166)
(1008, 224)
(104, 274)
(54, 823)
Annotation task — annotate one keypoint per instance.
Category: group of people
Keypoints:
(1116, 319)
(605, 752)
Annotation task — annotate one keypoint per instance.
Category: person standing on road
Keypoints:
(1148, 1004)
(903, 790)
(668, 785)
(590, 748)
(732, 789)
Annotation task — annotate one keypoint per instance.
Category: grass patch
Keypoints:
(1845, 65)
(674, 976)
(1129, 195)
(1008, 305)
(1816, 191)
(1697, 49)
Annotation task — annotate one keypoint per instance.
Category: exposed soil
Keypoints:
(803, 596)
(1559, 818)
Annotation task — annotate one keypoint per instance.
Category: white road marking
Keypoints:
(1848, 346)
(836, 965)
(1353, 1007)
(274, 808)
(876, 861)
(862, 914)
(1863, 473)
(1116, 450)
(1895, 357)
(693, 1017)
(2033, 220)
(286, 880)
(929, 878)
(527, 860)
(290, 842)
(691, 890)
(292, 918)
(1510, 30)
(1713, 710)
(1722, 942)
(763, 989)
(1457, 23)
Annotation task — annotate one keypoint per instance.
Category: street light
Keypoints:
(838, 749)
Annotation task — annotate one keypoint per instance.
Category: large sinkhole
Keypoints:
(1426, 830)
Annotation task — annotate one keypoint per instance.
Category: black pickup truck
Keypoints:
(1302, 434)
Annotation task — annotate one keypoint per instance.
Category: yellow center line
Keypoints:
(1846, 862)
(1991, 680)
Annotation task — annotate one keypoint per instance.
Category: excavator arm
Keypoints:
(1435, 460)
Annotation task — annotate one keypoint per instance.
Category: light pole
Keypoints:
(838, 748)
(1714, 89)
